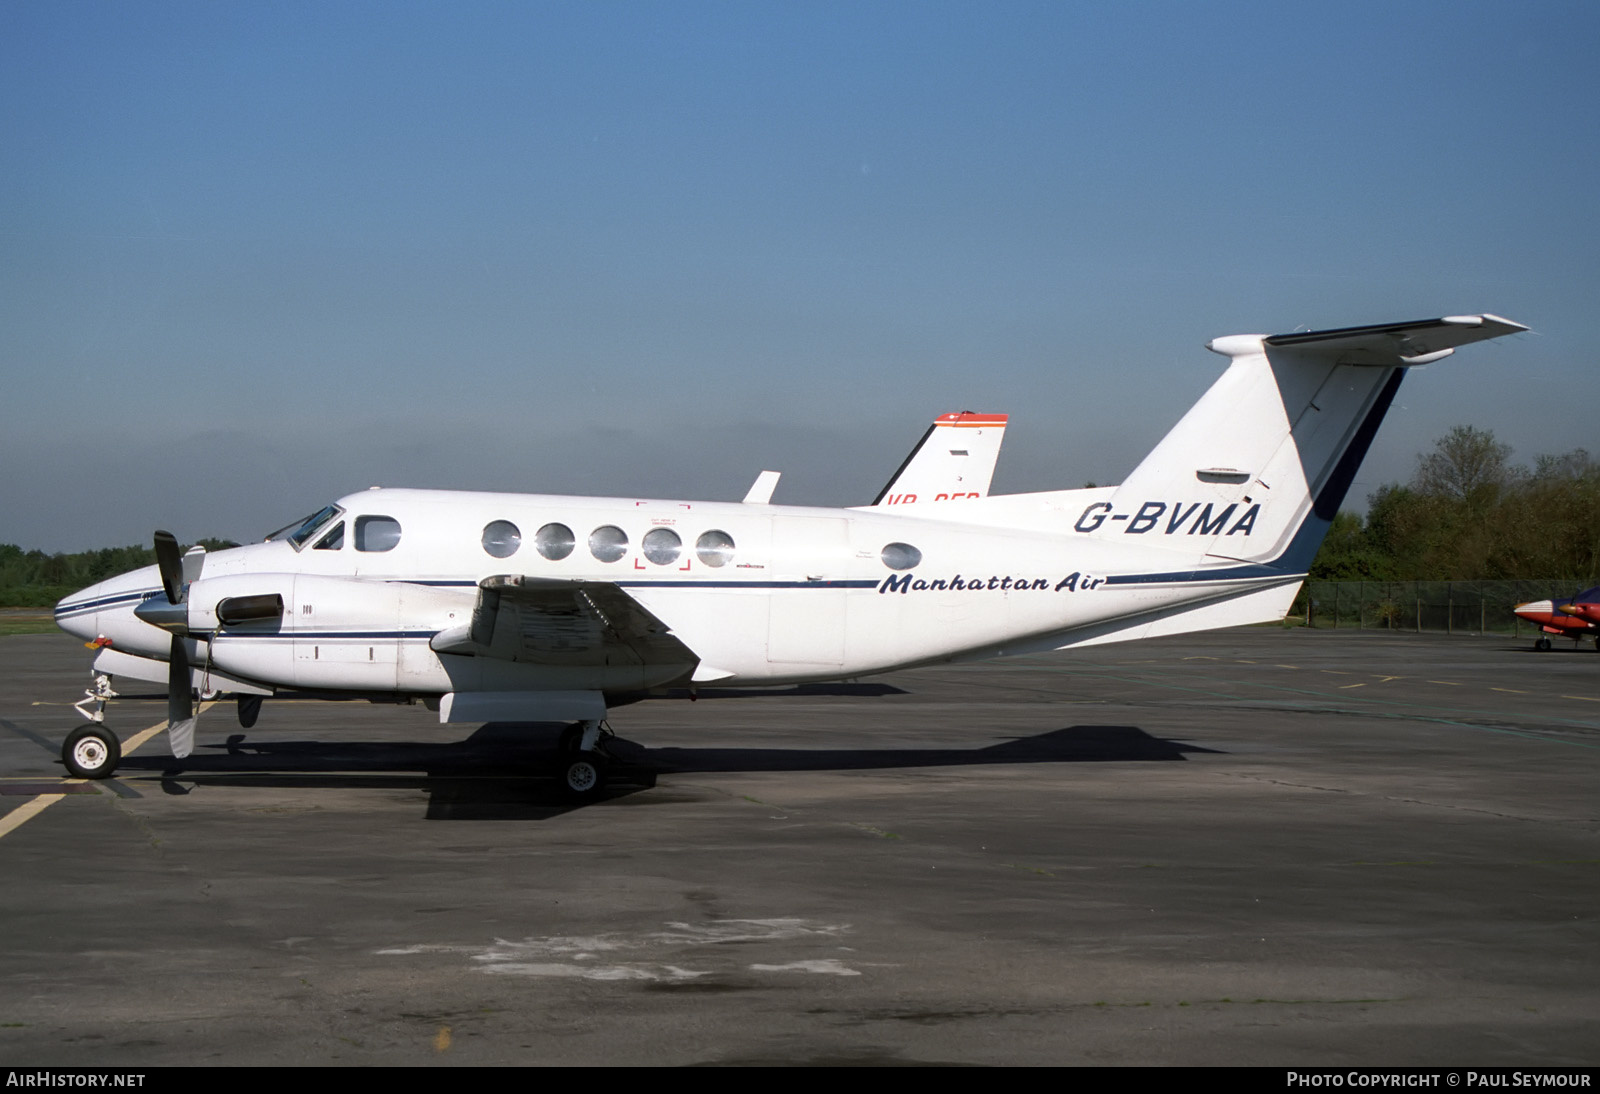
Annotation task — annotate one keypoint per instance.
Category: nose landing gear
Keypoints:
(98, 694)
(93, 751)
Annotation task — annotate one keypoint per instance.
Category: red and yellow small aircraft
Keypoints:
(1577, 617)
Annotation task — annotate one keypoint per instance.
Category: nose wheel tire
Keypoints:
(91, 752)
(583, 776)
(1542, 645)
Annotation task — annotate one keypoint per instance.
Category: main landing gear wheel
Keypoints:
(91, 752)
(583, 776)
(1542, 645)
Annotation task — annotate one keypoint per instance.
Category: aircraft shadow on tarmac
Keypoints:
(505, 771)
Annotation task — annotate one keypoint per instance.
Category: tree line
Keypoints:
(1470, 514)
(33, 579)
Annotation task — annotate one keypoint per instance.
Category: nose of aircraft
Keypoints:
(106, 610)
(79, 614)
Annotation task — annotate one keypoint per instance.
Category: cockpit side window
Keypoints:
(300, 532)
(333, 540)
(377, 533)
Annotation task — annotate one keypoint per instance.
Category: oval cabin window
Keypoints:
(900, 556)
(662, 546)
(501, 538)
(608, 543)
(714, 548)
(555, 541)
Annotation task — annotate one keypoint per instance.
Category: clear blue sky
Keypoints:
(253, 256)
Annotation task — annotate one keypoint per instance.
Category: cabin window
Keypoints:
(333, 540)
(662, 546)
(714, 548)
(501, 538)
(900, 556)
(608, 543)
(377, 533)
(554, 541)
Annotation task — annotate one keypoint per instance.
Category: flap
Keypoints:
(552, 622)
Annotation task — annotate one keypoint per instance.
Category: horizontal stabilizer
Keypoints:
(1413, 343)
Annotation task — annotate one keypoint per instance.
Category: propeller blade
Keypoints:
(180, 700)
(170, 562)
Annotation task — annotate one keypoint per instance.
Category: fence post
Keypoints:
(1419, 615)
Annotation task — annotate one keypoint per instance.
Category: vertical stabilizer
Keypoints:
(954, 461)
(1257, 469)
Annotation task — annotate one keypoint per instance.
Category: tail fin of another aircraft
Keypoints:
(1257, 469)
(954, 461)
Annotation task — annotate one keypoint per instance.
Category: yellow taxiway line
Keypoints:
(25, 812)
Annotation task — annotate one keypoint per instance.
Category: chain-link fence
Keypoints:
(1454, 607)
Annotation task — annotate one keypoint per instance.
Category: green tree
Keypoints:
(1467, 468)
(1348, 554)
(1469, 513)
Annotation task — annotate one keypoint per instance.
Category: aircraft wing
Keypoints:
(1413, 343)
(566, 623)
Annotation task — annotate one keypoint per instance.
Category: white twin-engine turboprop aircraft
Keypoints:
(537, 608)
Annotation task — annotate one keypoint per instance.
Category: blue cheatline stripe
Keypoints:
(668, 583)
(323, 636)
(101, 602)
(1232, 573)
(868, 583)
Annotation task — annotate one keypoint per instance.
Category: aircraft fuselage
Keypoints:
(762, 594)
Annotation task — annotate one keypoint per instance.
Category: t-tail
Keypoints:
(1255, 472)
(954, 461)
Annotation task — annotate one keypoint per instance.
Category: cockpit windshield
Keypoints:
(302, 530)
